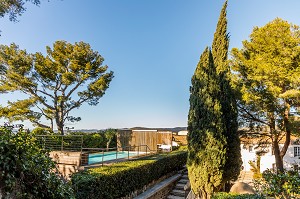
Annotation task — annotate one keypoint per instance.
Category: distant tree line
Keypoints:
(101, 139)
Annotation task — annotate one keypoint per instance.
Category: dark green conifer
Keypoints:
(214, 145)
(221, 41)
(227, 98)
(206, 141)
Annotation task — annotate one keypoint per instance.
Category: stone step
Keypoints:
(183, 181)
(178, 192)
(175, 197)
(180, 186)
(184, 177)
(158, 187)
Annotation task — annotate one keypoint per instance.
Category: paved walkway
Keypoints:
(246, 177)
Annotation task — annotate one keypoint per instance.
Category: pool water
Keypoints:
(111, 155)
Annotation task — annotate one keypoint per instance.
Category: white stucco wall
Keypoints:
(268, 159)
(247, 156)
(289, 160)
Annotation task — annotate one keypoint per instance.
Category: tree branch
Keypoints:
(77, 104)
(73, 89)
(45, 93)
(252, 117)
(40, 99)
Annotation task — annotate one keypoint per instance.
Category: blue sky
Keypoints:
(152, 46)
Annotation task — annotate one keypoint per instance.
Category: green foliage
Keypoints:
(221, 42)
(206, 141)
(14, 8)
(26, 170)
(224, 195)
(281, 185)
(227, 99)
(121, 179)
(52, 81)
(110, 134)
(91, 140)
(98, 139)
(214, 146)
(267, 77)
(255, 168)
(42, 131)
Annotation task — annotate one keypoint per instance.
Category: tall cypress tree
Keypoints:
(214, 146)
(221, 41)
(227, 98)
(206, 141)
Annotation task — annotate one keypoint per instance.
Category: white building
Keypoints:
(291, 159)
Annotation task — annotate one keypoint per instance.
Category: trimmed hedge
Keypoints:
(121, 179)
(224, 195)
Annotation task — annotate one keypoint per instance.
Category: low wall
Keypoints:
(68, 162)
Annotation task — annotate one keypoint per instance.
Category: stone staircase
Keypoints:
(181, 188)
(246, 176)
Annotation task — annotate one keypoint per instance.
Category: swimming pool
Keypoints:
(110, 155)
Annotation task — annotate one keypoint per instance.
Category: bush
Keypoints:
(96, 139)
(223, 195)
(26, 171)
(121, 179)
(285, 184)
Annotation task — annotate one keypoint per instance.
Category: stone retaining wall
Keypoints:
(68, 162)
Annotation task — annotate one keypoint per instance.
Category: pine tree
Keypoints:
(227, 98)
(64, 79)
(206, 142)
(267, 72)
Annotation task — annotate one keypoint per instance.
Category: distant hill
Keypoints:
(80, 130)
(175, 129)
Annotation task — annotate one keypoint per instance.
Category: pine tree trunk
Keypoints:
(287, 127)
(59, 122)
(60, 114)
(60, 127)
(278, 158)
(280, 154)
(51, 124)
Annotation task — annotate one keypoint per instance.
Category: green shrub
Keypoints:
(224, 195)
(42, 131)
(121, 179)
(96, 139)
(281, 185)
(26, 171)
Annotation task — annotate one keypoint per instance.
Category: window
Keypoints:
(296, 151)
(250, 148)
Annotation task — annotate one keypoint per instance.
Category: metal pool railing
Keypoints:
(61, 142)
(96, 156)
(67, 149)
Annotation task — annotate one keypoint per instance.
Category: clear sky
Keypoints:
(152, 46)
